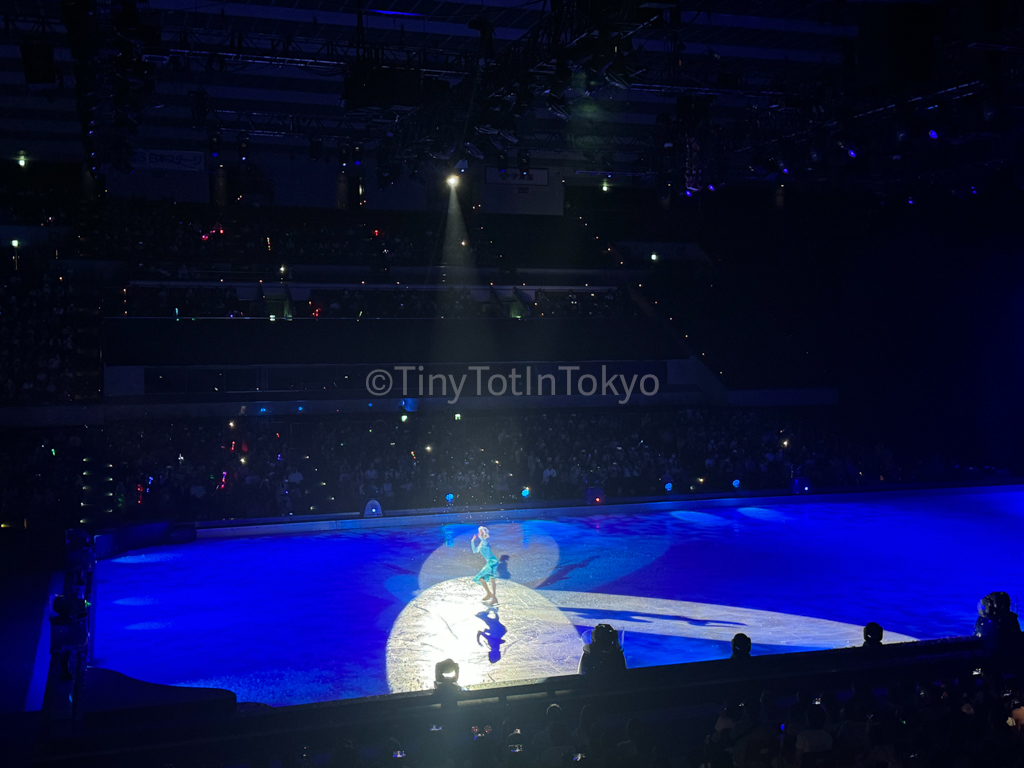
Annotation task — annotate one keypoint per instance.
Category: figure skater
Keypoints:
(490, 570)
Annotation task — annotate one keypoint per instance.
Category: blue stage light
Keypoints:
(933, 134)
(851, 153)
(735, 483)
(525, 493)
(263, 410)
(668, 487)
(300, 407)
(449, 497)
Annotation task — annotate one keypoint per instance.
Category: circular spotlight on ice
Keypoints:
(136, 601)
(763, 513)
(526, 637)
(700, 519)
(591, 555)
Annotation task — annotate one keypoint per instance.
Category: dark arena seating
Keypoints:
(692, 332)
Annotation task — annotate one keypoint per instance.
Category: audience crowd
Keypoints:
(37, 352)
(922, 721)
(154, 234)
(199, 299)
(191, 469)
(41, 476)
(482, 459)
(245, 469)
(40, 205)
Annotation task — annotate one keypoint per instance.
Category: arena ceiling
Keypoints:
(667, 88)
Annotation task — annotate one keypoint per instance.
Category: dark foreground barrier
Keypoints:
(183, 728)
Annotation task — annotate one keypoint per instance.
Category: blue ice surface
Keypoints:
(298, 618)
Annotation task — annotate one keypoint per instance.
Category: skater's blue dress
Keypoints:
(490, 569)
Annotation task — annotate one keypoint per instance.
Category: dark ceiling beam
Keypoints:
(214, 49)
(759, 53)
(209, 16)
(284, 124)
(39, 26)
(701, 18)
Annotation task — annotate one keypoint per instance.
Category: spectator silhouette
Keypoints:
(553, 714)
(998, 625)
(581, 735)
(740, 646)
(602, 656)
(814, 738)
(637, 751)
(559, 749)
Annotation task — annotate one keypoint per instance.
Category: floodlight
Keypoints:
(446, 673)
